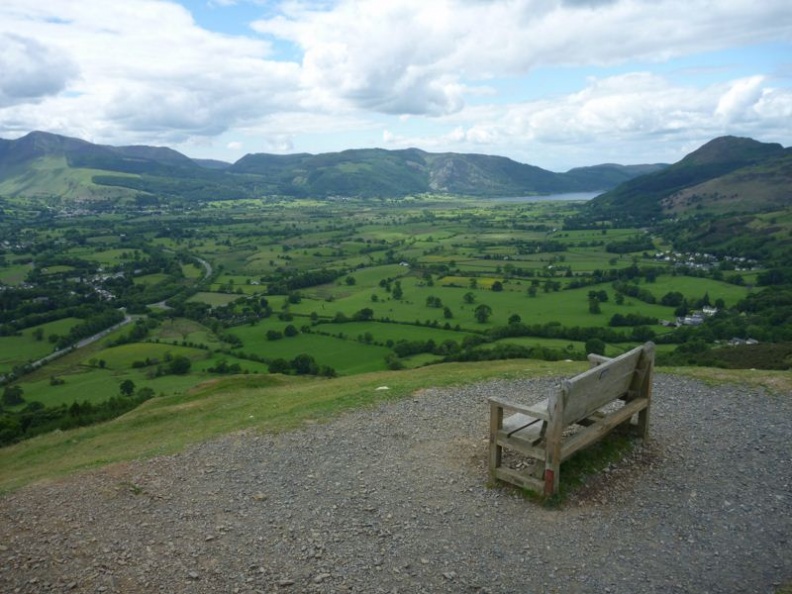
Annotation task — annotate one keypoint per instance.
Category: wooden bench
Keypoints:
(609, 394)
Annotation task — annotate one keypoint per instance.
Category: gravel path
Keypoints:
(395, 499)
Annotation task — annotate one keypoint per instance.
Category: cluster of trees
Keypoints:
(172, 365)
(35, 419)
(94, 324)
(302, 364)
(636, 243)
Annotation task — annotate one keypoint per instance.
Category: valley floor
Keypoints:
(396, 499)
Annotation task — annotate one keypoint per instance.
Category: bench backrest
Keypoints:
(593, 389)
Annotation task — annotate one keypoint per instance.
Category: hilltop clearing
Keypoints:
(396, 498)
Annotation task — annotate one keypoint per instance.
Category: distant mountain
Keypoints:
(379, 172)
(611, 174)
(727, 174)
(212, 163)
(43, 164)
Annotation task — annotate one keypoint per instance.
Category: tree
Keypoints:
(672, 299)
(497, 286)
(469, 298)
(433, 301)
(304, 365)
(595, 346)
(447, 313)
(397, 290)
(12, 395)
(127, 387)
(514, 319)
(594, 306)
(364, 315)
(290, 331)
(274, 334)
(145, 393)
(279, 366)
(482, 313)
(179, 365)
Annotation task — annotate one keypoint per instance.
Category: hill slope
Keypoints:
(702, 178)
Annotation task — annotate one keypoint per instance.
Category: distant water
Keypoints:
(569, 196)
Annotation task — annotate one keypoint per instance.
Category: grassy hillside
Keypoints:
(673, 189)
(53, 176)
(270, 403)
(759, 187)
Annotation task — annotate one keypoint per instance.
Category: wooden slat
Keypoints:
(598, 430)
(599, 385)
(524, 445)
(521, 479)
(522, 423)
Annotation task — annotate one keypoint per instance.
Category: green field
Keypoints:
(18, 350)
(214, 299)
(268, 403)
(345, 356)
(695, 288)
(14, 274)
(353, 279)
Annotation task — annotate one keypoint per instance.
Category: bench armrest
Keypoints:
(595, 359)
(537, 410)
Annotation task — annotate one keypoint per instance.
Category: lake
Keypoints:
(569, 196)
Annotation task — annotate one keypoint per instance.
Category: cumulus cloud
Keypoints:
(421, 57)
(146, 70)
(30, 70)
(440, 74)
(634, 113)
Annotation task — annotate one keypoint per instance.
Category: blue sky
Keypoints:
(553, 83)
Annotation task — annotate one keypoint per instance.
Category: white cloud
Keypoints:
(420, 57)
(439, 74)
(740, 98)
(30, 70)
(148, 71)
(622, 118)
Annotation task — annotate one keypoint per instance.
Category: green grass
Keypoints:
(260, 403)
(214, 299)
(18, 350)
(52, 176)
(272, 403)
(345, 356)
(123, 356)
(695, 288)
(382, 332)
(151, 279)
(182, 329)
(14, 273)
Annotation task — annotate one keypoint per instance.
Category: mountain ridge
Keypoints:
(101, 170)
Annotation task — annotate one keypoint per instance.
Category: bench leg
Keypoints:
(495, 451)
(643, 424)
